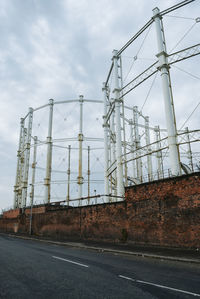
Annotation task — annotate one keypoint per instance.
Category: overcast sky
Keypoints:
(62, 48)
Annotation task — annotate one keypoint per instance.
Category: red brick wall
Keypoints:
(36, 210)
(12, 213)
(165, 212)
(9, 225)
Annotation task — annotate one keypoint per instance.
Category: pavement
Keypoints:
(46, 269)
(163, 253)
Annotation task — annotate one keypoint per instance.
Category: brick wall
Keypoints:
(12, 213)
(9, 225)
(36, 210)
(165, 213)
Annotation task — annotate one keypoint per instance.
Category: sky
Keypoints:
(61, 49)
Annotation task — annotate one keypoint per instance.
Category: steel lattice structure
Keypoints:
(117, 158)
(78, 152)
(150, 153)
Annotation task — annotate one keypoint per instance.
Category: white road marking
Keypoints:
(159, 286)
(69, 261)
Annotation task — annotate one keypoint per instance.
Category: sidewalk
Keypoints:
(173, 254)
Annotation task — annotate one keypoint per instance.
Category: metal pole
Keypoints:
(161, 155)
(31, 217)
(124, 146)
(167, 92)
(189, 151)
(149, 157)
(105, 126)
(33, 182)
(132, 148)
(137, 144)
(68, 175)
(80, 139)
(113, 153)
(88, 173)
(22, 159)
(17, 180)
(27, 157)
(33, 170)
(109, 157)
(47, 179)
(158, 154)
(116, 91)
(123, 126)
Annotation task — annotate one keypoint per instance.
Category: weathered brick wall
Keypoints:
(165, 213)
(105, 222)
(9, 225)
(12, 213)
(100, 222)
(36, 210)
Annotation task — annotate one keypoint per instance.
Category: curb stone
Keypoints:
(101, 249)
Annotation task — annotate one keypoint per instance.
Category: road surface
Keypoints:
(32, 269)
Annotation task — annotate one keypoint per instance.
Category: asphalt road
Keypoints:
(32, 269)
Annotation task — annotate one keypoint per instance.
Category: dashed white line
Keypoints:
(69, 261)
(159, 286)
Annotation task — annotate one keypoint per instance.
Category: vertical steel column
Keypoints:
(132, 148)
(109, 157)
(27, 157)
(113, 153)
(33, 182)
(17, 180)
(105, 126)
(167, 92)
(33, 170)
(159, 153)
(47, 180)
(189, 151)
(80, 139)
(116, 91)
(124, 146)
(137, 144)
(123, 126)
(68, 174)
(149, 157)
(22, 160)
(88, 173)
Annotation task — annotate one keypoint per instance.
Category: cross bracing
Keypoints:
(60, 160)
(170, 153)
